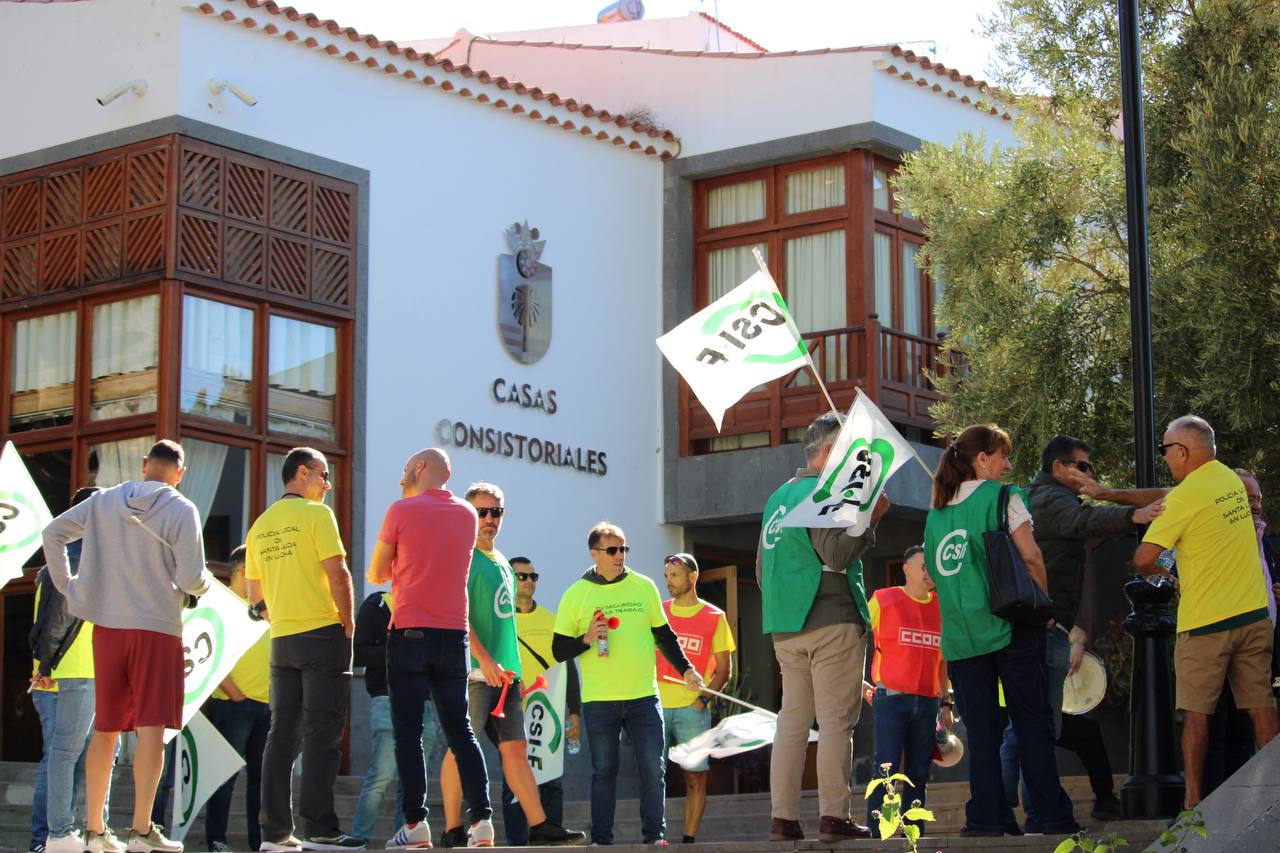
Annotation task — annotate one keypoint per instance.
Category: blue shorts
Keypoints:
(684, 724)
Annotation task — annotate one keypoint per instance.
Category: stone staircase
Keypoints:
(740, 820)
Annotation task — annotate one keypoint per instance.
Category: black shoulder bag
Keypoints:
(1013, 594)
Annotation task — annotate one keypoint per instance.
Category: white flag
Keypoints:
(204, 761)
(863, 458)
(544, 725)
(23, 514)
(743, 339)
(739, 733)
(215, 634)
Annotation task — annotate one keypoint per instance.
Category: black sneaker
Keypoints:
(548, 834)
(967, 831)
(335, 842)
(1107, 808)
(456, 837)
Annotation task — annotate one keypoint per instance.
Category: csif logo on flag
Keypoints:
(739, 324)
(23, 514)
(861, 473)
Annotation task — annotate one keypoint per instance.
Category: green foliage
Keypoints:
(1170, 840)
(891, 817)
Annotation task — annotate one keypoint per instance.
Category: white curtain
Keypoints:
(728, 268)
(816, 294)
(217, 338)
(912, 317)
(884, 278)
(275, 481)
(205, 461)
(119, 461)
(44, 352)
(815, 190)
(880, 189)
(125, 336)
(303, 357)
(729, 205)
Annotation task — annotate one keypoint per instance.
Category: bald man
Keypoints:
(424, 549)
(1224, 633)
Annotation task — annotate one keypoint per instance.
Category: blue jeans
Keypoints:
(433, 663)
(245, 725)
(642, 719)
(904, 725)
(1057, 660)
(66, 724)
(382, 765)
(1019, 666)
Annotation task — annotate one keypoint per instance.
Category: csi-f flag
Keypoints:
(23, 514)
(544, 725)
(865, 455)
(204, 761)
(733, 735)
(743, 339)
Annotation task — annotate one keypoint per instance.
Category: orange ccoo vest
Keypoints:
(908, 644)
(696, 634)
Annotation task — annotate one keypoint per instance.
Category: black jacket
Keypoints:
(370, 642)
(1062, 525)
(55, 629)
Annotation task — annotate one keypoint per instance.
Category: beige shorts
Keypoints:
(1241, 656)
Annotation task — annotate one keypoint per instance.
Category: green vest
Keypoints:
(791, 569)
(956, 557)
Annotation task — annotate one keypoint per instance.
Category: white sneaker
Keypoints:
(289, 845)
(104, 842)
(480, 834)
(411, 835)
(152, 842)
(69, 843)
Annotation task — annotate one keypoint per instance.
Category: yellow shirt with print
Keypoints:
(77, 662)
(535, 629)
(286, 547)
(677, 695)
(1207, 520)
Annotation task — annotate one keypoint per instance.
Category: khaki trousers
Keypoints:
(821, 680)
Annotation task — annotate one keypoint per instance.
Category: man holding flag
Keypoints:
(815, 606)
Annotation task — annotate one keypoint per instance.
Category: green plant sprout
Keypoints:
(1188, 821)
(892, 818)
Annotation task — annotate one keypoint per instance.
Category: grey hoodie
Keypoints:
(127, 577)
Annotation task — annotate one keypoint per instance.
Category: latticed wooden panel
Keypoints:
(244, 259)
(199, 244)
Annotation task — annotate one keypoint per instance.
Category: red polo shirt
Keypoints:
(434, 534)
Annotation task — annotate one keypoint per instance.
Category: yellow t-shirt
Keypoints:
(287, 544)
(873, 608)
(1206, 519)
(677, 695)
(535, 628)
(78, 661)
(630, 671)
(252, 673)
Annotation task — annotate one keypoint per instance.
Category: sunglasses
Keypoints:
(324, 475)
(1082, 466)
(1162, 449)
(495, 511)
(526, 576)
(614, 550)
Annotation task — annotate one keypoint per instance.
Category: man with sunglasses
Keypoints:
(1062, 525)
(535, 626)
(493, 691)
(619, 676)
(1224, 633)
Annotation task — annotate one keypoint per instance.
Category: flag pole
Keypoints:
(755, 252)
(726, 696)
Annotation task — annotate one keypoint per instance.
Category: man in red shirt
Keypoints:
(910, 679)
(424, 549)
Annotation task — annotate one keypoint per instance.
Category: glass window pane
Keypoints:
(217, 360)
(880, 189)
(275, 479)
(126, 337)
(912, 318)
(302, 378)
(884, 279)
(51, 471)
(816, 297)
(217, 482)
(114, 462)
(735, 203)
(728, 268)
(815, 190)
(43, 380)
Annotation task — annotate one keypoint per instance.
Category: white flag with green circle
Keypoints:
(743, 339)
(215, 635)
(544, 725)
(23, 514)
(865, 455)
(204, 761)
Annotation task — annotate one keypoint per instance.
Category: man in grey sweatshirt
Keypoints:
(142, 554)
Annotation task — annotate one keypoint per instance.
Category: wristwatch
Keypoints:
(255, 610)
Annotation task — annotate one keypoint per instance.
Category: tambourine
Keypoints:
(1082, 692)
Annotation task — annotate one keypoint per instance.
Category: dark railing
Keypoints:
(887, 364)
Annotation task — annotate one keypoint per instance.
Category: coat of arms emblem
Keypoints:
(524, 295)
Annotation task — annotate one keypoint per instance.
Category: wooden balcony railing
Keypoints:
(887, 364)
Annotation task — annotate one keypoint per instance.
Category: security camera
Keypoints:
(216, 87)
(138, 87)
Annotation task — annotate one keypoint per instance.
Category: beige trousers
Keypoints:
(821, 680)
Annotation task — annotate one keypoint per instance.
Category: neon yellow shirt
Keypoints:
(630, 671)
(77, 662)
(287, 545)
(678, 696)
(1207, 520)
(252, 673)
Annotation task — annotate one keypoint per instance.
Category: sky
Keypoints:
(950, 25)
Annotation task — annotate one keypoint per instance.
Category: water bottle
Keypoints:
(602, 645)
(571, 744)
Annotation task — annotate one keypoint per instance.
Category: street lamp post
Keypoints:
(1154, 787)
